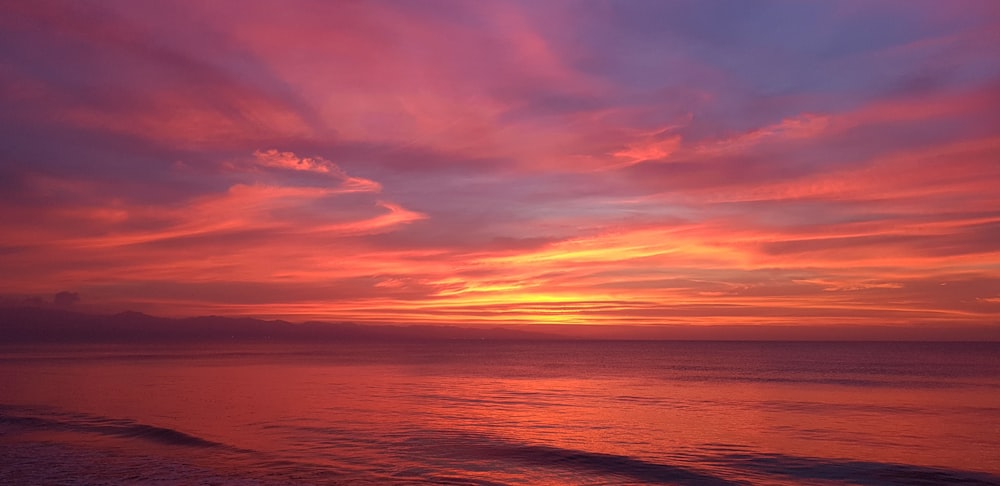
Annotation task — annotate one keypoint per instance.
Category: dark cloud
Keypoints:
(65, 299)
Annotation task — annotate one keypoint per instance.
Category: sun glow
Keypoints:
(490, 167)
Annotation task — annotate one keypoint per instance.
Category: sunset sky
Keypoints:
(502, 162)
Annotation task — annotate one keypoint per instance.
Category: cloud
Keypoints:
(288, 160)
(602, 163)
(65, 299)
(650, 150)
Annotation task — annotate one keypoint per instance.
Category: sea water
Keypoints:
(488, 412)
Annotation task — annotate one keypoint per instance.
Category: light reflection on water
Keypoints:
(501, 413)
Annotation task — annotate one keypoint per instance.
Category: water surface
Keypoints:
(482, 412)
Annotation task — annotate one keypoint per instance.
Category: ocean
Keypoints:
(494, 412)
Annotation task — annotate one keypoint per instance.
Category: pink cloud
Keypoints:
(288, 160)
(502, 162)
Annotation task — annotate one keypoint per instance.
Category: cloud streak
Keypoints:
(513, 163)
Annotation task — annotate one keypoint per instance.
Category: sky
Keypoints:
(646, 163)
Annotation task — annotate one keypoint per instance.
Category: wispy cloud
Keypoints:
(639, 163)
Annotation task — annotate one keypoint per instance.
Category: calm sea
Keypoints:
(502, 413)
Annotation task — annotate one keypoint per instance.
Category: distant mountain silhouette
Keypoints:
(39, 324)
(48, 324)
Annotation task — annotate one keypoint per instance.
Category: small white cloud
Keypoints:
(290, 161)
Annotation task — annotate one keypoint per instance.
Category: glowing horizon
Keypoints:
(620, 163)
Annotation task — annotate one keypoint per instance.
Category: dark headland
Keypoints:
(34, 324)
(48, 325)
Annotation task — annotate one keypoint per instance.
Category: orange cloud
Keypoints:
(499, 163)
